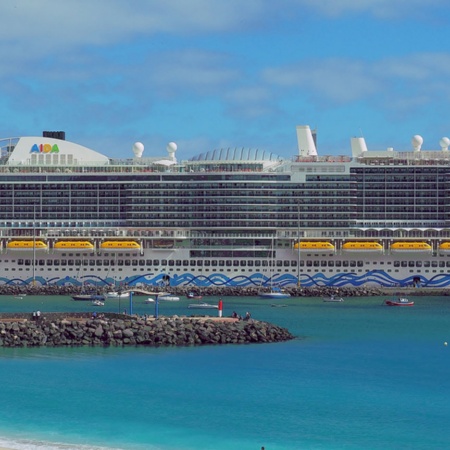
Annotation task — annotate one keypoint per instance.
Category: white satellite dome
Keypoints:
(138, 149)
(417, 142)
(444, 143)
(171, 149)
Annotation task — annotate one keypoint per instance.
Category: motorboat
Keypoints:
(97, 302)
(149, 300)
(168, 298)
(88, 297)
(202, 305)
(114, 294)
(401, 301)
(333, 298)
(194, 295)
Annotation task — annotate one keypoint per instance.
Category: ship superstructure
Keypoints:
(228, 217)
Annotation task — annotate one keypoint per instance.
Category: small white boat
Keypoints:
(169, 298)
(332, 298)
(98, 303)
(114, 294)
(202, 305)
(149, 300)
(194, 296)
(274, 293)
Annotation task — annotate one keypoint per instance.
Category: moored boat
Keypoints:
(333, 298)
(114, 294)
(88, 297)
(97, 302)
(202, 305)
(274, 293)
(401, 301)
(236, 218)
(169, 298)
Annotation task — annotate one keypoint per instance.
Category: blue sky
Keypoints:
(208, 74)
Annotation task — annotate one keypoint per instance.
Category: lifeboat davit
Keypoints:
(362, 247)
(411, 247)
(74, 245)
(315, 246)
(27, 245)
(120, 246)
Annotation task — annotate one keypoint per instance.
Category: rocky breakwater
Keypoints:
(132, 331)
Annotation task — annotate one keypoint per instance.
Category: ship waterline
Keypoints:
(229, 217)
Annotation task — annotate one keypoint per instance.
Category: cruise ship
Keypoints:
(236, 217)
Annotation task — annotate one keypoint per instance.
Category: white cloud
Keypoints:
(382, 9)
(341, 81)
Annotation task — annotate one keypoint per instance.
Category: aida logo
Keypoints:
(44, 148)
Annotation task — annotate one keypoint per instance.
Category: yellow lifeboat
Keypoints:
(362, 247)
(120, 246)
(27, 245)
(314, 246)
(74, 245)
(444, 247)
(411, 247)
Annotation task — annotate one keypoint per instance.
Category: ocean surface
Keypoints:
(359, 375)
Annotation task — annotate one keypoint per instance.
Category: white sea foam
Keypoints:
(26, 444)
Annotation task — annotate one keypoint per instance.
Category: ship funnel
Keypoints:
(358, 146)
(305, 141)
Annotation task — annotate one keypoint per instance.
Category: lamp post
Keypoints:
(34, 245)
(298, 244)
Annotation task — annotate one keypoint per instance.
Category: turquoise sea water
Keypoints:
(359, 376)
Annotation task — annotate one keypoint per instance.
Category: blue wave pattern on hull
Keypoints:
(377, 277)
